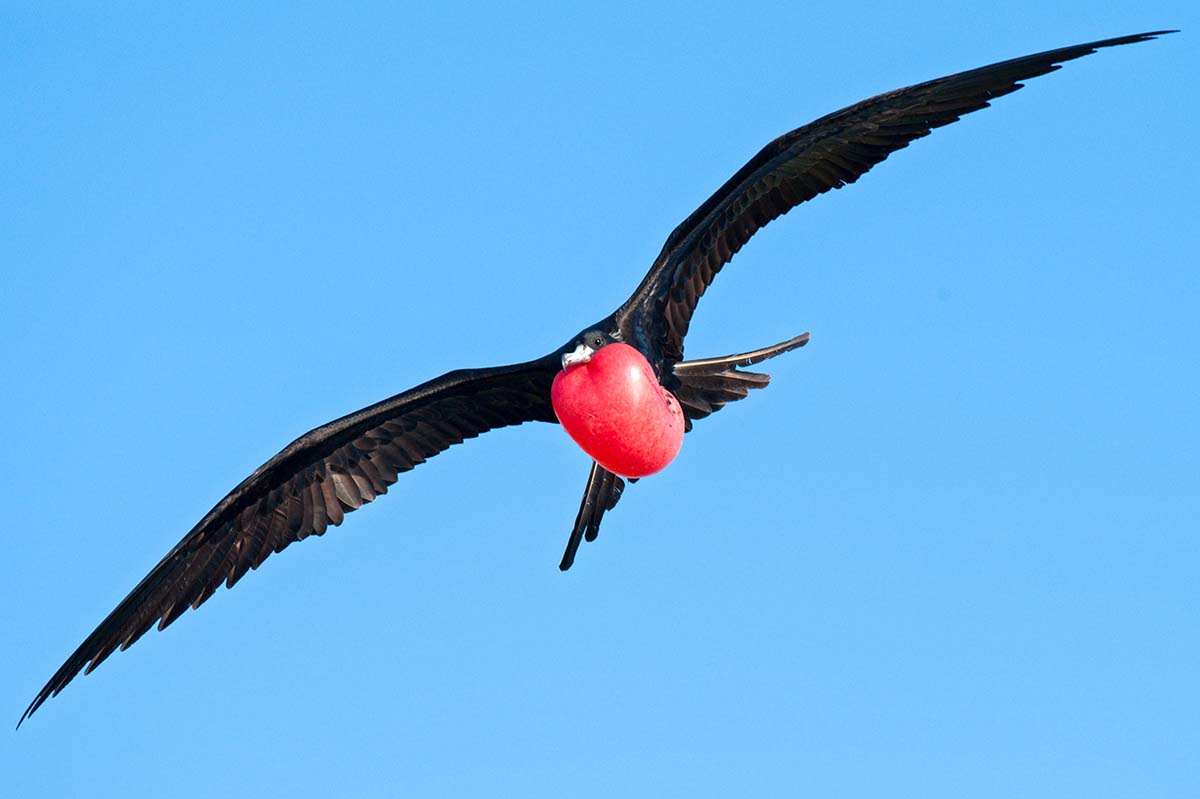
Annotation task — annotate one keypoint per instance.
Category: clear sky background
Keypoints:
(951, 551)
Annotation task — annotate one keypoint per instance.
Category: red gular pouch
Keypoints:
(616, 411)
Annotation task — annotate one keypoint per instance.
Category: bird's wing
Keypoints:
(826, 154)
(311, 484)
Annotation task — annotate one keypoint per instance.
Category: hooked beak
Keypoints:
(582, 354)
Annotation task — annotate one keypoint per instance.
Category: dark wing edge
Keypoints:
(829, 153)
(316, 480)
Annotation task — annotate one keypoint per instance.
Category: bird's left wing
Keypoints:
(826, 154)
(312, 483)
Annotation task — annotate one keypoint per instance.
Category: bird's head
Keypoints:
(586, 345)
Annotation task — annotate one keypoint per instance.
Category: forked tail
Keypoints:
(707, 385)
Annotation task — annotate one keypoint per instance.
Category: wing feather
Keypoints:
(829, 153)
(314, 482)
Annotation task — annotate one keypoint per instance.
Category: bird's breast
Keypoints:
(616, 411)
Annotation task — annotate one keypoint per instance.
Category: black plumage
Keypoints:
(336, 468)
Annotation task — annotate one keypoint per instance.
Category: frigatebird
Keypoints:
(340, 466)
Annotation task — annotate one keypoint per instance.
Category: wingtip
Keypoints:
(29, 711)
(1133, 38)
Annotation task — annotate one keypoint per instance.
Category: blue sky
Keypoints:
(950, 551)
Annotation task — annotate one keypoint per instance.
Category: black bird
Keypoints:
(338, 467)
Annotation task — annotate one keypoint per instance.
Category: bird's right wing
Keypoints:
(311, 484)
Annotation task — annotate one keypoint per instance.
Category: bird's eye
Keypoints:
(597, 342)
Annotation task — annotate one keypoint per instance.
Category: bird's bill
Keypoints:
(582, 354)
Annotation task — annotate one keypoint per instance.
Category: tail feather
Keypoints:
(709, 384)
(703, 387)
(717, 365)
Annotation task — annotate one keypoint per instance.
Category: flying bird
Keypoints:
(338, 467)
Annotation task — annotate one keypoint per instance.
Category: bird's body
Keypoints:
(336, 468)
(617, 410)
